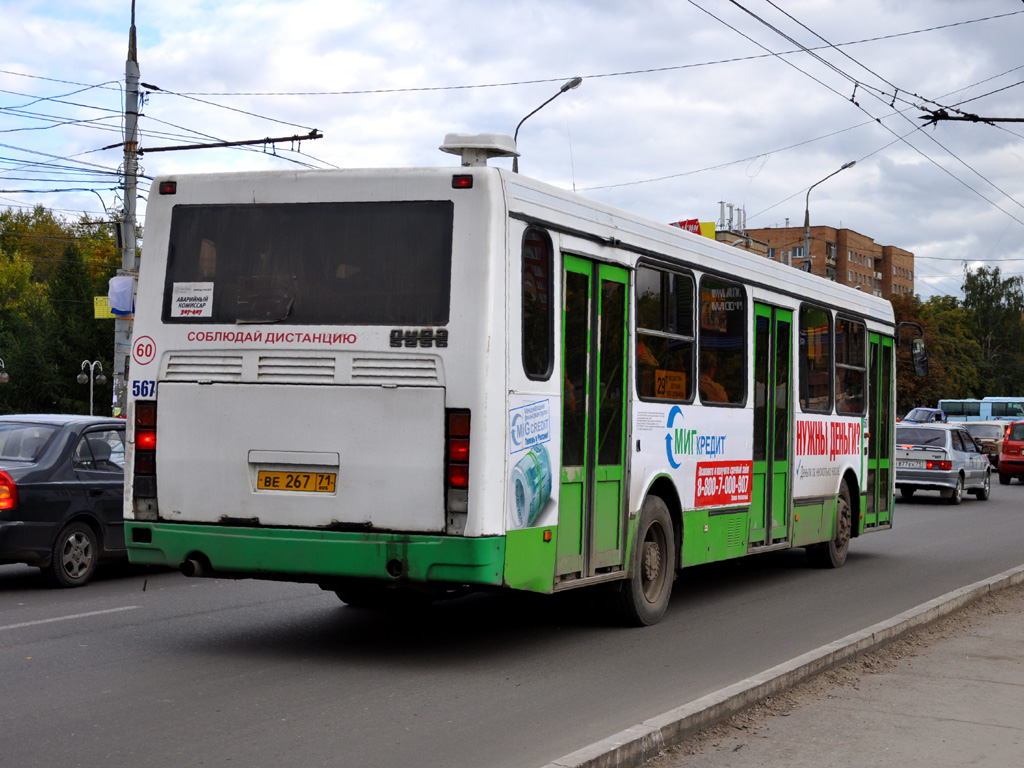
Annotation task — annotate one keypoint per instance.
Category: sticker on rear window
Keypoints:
(192, 300)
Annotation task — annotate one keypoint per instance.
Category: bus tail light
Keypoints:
(145, 450)
(8, 492)
(457, 461)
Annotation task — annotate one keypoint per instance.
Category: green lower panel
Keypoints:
(708, 538)
(695, 544)
(728, 535)
(529, 560)
(309, 555)
(810, 524)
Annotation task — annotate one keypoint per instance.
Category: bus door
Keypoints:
(769, 513)
(878, 440)
(591, 527)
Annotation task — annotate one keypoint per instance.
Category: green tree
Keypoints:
(75, 335)
(996, 304)
(913, 390)
(38, 236)
(50, 270)
(955, 345)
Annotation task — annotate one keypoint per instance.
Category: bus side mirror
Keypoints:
(918, 351)
(919, 356)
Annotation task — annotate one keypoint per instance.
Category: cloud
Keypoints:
(678, 110)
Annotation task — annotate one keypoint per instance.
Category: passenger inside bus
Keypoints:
(710, 389)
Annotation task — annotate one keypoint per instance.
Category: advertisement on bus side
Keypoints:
(533, 445)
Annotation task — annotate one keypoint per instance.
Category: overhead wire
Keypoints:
(903, 138)
(869, 90)
(282, 152)
(895, 88)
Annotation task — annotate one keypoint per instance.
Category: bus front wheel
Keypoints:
(832, 554)
(642, 599)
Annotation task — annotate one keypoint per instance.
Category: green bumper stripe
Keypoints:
(308, 555)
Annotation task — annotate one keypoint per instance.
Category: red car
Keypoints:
(1011, 458)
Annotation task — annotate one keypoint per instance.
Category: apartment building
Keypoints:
(842, 255)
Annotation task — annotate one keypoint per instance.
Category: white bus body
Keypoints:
(309, 346)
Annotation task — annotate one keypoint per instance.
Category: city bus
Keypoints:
(985, 409)
(405, 384)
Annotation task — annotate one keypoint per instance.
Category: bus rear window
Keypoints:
(375, 263)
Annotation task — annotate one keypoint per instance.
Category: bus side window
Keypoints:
(851, 371)
(723, 332)
(538, 309)
(815, 360)
(664, 335)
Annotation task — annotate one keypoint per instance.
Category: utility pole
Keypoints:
(123, 325)
(132, 152)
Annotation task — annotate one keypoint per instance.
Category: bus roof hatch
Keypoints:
(477, 148)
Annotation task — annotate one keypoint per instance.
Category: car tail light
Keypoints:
(943, 465)
(457, 460)
(8, 492)
(145, 450)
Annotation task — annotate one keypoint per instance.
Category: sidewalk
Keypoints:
(940, 685)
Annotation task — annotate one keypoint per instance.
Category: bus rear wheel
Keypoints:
(832, 554)
(642, 599)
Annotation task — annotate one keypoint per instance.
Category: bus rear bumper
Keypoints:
(305, 555)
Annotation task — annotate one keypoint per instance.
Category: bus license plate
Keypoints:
(303, 482)
(909, 465)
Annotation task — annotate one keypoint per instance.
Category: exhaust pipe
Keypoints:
(194, 568)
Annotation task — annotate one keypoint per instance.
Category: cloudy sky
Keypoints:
(684, 103)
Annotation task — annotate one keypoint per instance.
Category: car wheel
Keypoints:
(983, 493)
(957, 495)
(1004, 479)
(75, 554)
(907, 493)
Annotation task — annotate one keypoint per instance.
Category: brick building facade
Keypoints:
(842, 255)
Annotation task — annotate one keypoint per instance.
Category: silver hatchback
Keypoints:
(940, 457)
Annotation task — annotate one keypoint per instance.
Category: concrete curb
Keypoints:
(634, 745)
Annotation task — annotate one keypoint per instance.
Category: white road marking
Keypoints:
(65, 618)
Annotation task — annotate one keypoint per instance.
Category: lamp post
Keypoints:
(568, 85)
(84, 378)
(807, 211)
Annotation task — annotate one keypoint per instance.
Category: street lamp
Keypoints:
(807, 211)
(566, 86)
(83, 378)
(4, 377)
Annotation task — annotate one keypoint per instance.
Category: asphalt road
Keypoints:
(150, 668)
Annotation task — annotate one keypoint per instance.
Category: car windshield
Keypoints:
(985, 430)
(920, 414)
(24, 442)
(921, 437)
(1017, 432)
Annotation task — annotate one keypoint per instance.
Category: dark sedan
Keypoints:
(61, 490)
